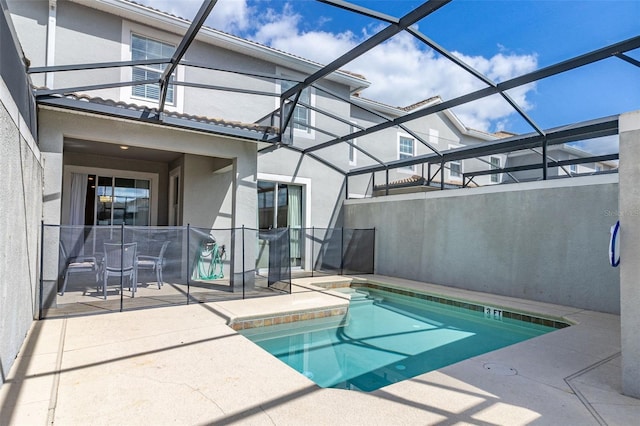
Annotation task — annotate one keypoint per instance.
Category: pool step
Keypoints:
(358, 297)
(361, 298)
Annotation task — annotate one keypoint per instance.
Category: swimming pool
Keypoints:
(388, 337)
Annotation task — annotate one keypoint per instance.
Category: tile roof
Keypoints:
(415, 180)
(421, 103)
(188, 117)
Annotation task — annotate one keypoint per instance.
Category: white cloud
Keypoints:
(281, 30)
(401, 71)
(227, 15)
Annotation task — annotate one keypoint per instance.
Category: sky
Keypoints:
(501, 39)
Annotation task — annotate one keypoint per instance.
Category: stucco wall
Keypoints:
(544, 241)
(629, 215)
(323, 187)
(20, 215)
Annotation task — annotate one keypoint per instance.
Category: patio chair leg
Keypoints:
(159, 277)
(64, 284)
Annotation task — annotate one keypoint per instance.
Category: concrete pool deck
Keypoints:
(185, 365)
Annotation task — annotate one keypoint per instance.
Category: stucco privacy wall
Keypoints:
(630, 251)
(20, 215)
(545, 241)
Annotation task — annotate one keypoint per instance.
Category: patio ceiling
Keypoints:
(278, 136)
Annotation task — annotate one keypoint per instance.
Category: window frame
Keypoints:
(496, 177)
(126, 73)
(152, 69)
(310, 133)
(573, 169)
(406, 169)
(458, 177)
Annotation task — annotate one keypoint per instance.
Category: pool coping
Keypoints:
(322, 302)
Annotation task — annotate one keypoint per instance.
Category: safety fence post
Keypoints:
(243, 294)
(342, 251)
(121, 267)
(188, 263)
(41, 270)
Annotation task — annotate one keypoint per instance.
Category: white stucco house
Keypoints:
(208, 160)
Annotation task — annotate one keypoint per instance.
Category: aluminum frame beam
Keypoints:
(377, 114)
(535, 166)
(362, 11)
(409, 19)
(629, 59)
(606, 126)
(444, 52)
(69, 90)
(188, 38)
(97, 65)
(576, 62)
(318, 159)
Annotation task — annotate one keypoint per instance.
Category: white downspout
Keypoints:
(51, 42)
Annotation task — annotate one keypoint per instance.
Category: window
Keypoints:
(146, 48)
(573, 168)
(455, 167)
(406, 147)
(495, 164)
(352, 149)
(301, 117)
(598, 168)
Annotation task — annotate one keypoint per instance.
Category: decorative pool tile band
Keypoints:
(333, 284)
(243, 324)
(464, 305)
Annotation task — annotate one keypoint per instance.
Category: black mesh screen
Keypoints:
(91, 269)
(358, 251)
(275, 244)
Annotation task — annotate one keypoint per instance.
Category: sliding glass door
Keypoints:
(119, 200)
(280, 206)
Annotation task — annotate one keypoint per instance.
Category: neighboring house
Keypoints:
(555, 153)
(442, 131)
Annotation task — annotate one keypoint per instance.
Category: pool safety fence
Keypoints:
(93, 269)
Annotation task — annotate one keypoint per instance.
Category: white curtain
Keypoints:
(294, 213)
(78, 198)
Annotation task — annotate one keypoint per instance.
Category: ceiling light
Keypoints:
(124, 147)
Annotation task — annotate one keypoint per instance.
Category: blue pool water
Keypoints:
(387, 338)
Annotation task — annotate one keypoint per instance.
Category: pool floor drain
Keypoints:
(499, 369)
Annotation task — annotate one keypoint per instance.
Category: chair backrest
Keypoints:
(120, 256)
(163, 249)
